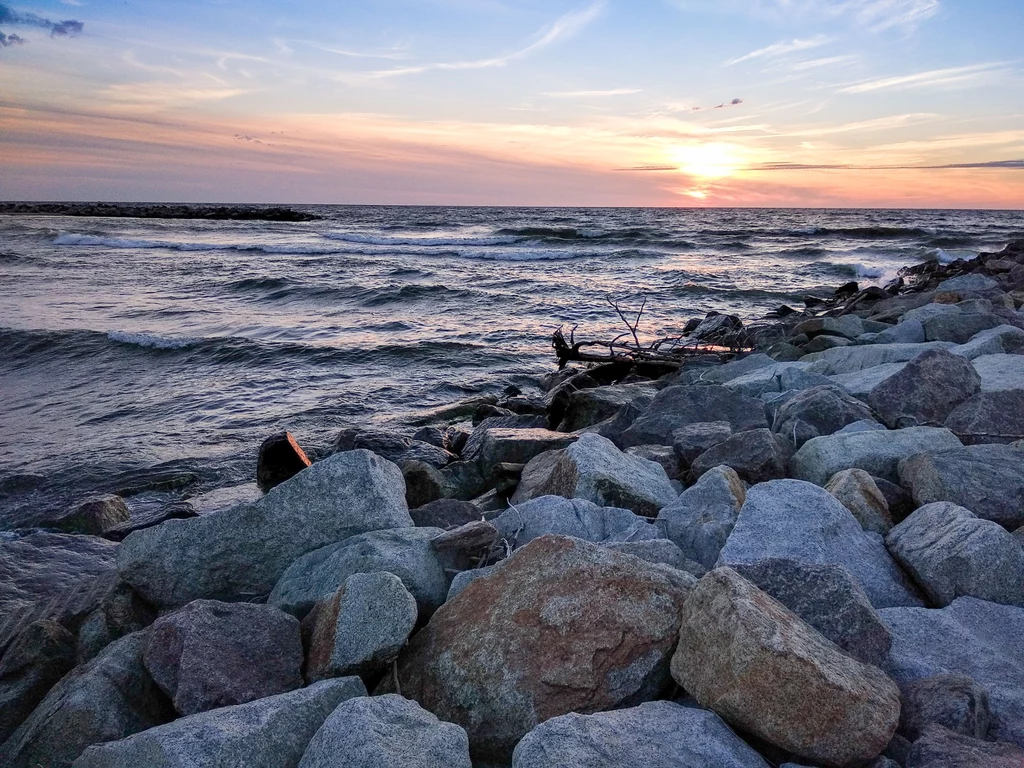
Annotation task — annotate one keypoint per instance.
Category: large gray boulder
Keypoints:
(818, 411)
(211, 654)
(951, 552)
(851, 359)
(970, 283)
(986, 479)
(700, 520)
(758, 665)
(40, 655)
(798, 520)
(405, 552)
(953, 701)
(691, 441)
(906, 331)
(780, 377)
(976, 638)
(109, 698)
(856, 490)
(522, 523)
(994, 341)
(386, 731)
(589, 406)
(756, 455)
(656, 734)
(959, 328)
(829, 599)
(989, 417)
(925, 391)
(877, 453)
(240, 553)
(1000, 372)
(266, 733)
(940, 747)
(676, 407)
(860, 383)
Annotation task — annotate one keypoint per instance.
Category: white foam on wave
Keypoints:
(945, 256)
(352, 237)
(174, 245)
(864, 270)
(150, 340)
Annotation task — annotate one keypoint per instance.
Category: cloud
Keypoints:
(930, 79)
(781, 49)
(875, 15)
(991, 164)
(587, 94)
(6, 41)
(9, 16)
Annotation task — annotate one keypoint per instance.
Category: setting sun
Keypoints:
(708, 161)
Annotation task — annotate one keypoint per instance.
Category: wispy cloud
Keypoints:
(9, 16)
(803, 66)
(588, 94)
(781, 49)
(875, 15)
(952, 76)
(991, 164)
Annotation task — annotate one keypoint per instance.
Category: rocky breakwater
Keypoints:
(810, 554)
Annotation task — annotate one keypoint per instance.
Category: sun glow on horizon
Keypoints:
(713, 160)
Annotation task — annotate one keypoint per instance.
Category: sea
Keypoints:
(169, 349)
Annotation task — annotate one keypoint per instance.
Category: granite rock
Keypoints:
(679, 406)
(953, 701)
(700, 520)
(818, 411)
(989, 417)
(856, 490)
(579, 518)
(40, 655)
(755, 455)
(925, 391)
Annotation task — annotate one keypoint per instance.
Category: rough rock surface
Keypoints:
(659, 551)
(445, 513)
(754, 662)
(939, 747)
(755, 455)
(211, 654)
(39, 656)
(678, 406)
(564, 625)
(926, 391)
(582, 519)
(513, 445)
(240, 553)
(797, 520)
(587, 407)
(818, 411)
(93, 516)
(119, 611)
(959, 328)
(1000, 372)
(700, 520)
(829, 599)
(360, 629)
(691, 441)
(660, 454)
(280, 458)
(656, 734)
(852, 359)
(954, 701)
(405, 552)
(386, 731)
(266, 733)
(950, 552)
(989, 417)
(856, 490)
(986, 479)
(175, 510)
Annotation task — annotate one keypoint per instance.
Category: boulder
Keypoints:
(848, 326)
(818, 411)
(656, 734)
(424, 484)
(700, 520)
(852, 359)
(405, 552)
(800, 521)
(755, 455)
(587, 407)
(989, 417)
(877, 453)
(93, 516)
(906, 331)
(445, 513)
(118, 611)
(391, 446)
(147, 518)
(723, 372)
(856, 490)
(659, 454)
(658, 551)
(925, 392)
(211, 654)
(953, 701)
(928, 311)
(994, 341)
(512, 445)
(779, 377)
(462, 480)
(950, 553)
(974, 282)
(562, 626)
(1000, 372)
(579, 518)
(829, 599)
(266, 733)
(678, 406)
(691, 441)
(109, 698)
(386, 731)
(754, 662)
(976, 638)
(959, 328)
(40, 655)
(860, 383)
(939, 747)
(360, 629)
(280, 458)
(240, 553)
(986, 479)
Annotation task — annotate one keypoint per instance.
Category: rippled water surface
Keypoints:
(127, 343)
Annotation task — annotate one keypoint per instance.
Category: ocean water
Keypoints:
(127, 344)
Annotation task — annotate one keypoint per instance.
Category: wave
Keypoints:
(944, 256)
(347, 237)
(151, 340)
(175, 245)
(871, 233)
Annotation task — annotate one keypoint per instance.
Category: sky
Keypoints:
(777, 103)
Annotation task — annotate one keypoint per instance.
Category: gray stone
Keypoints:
(266, 733)
(856, 490)
(939, 747)
(989, 417)
(951, 553)
(590, 406)
(464, 578)
(1000, 372)
(660, 454)
(860, 383)
(925, 391)
(848, 326)
(691, 441)
(821, 343)
(463, 480)
(109, 698)
(927, 312)
(405, 552)
(656, 734)
(756, 456)
(40, 655)
(661, 551)
(720, 374)
(676, 407)
(579, 518)
(853, 359)
(119, 611)
(959, 328)
(954, 701)
(391, 446)
(972, 283)
(864, 425)
(240, 553)
(976, 638)
(776, 378)
(424, 484)
(386, 731)
(829, 599)
(536, 476)
(798, 520)
(700, 520)
(994, 341)
(818, 411)
(907, 331)
(877, 453)
(513, 445)
(986, 479)
(445, 513)
(93, 516)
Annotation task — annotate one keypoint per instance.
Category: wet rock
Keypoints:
(989, 417)
(691, 441)
(716, 327)
(240, 553)
(818, 411)
(360, 629)
(754, 662)
(797, 520)
(939, 747)
(925, 392)
(659, 454)
(856, 490)
(579, 518)
(756, 456)
(266, 733)
(676, 407)
(463, 480)
(211, 654)
(877, 453)
(954, 701)
(490, 411)
(92, 517)
(109, 698)
(656, 734)
(391, 446)
(432, 435)
(176, 510)
(119, 611)
(1000, 372)
(445, 513)
(40, 655)
(405, 552)
(700, 520)
(986, 479)
(950, 553)
(386, 731)
(563, 625)
(829, 599)
(660, 551)
(280, 458)
(587, 407)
